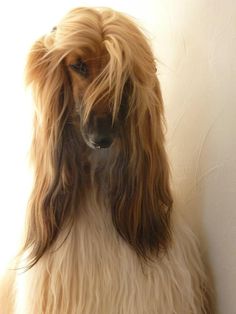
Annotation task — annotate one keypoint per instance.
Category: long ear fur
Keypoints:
(54, 150)
(141, 198)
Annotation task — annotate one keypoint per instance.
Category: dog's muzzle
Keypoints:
(100, 131)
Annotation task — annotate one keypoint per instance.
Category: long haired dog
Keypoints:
(101, 236)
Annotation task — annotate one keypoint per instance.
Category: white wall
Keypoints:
(195, 42)
(199, 83)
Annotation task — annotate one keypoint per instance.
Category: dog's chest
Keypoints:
(95, 272)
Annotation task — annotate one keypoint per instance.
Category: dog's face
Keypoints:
(99, 128)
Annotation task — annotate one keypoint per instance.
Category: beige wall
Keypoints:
(198, 76)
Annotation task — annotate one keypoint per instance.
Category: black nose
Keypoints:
(102, 141)
(101, 130)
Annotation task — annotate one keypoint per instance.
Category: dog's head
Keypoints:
(94, 80)
(99, 115)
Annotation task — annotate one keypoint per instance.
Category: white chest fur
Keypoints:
(95, 272)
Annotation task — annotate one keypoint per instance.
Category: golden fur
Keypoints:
(100, 237)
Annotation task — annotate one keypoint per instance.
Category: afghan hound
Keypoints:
(101, 236)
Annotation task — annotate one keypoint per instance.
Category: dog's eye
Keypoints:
(80, 67)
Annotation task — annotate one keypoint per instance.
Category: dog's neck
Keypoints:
(96, 167)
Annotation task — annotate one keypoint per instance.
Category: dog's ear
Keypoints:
(140, 194)
(54, 149)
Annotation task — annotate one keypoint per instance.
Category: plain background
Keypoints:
(195, 44)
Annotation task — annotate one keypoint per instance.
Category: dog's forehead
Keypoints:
(95, 58)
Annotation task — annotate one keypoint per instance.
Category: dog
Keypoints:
(101, 234)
